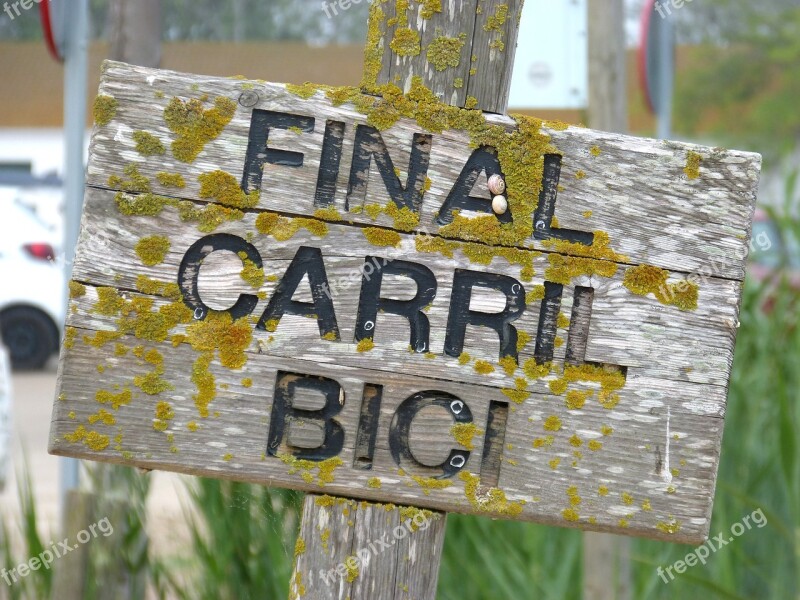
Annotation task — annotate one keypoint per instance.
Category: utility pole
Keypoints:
(606, 557)
(136, 32)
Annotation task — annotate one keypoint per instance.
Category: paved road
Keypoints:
(33, 395)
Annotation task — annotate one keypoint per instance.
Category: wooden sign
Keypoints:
(309, 287)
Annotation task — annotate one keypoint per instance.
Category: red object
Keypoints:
(47, 28)
(40, 251)
(644, 42)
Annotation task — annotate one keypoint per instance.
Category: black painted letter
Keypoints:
(401, 427)
(283, 412)
(307, 261)
(371, 301)
(189, 272)
(259, 153)
(368, 145)
(461, 315)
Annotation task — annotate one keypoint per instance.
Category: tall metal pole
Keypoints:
(76, 40)
(666, 76)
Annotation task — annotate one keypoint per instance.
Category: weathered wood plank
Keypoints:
(645, 439)
(636, 190)
(351, 549)
(651, 339)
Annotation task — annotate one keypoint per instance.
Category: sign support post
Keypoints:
(396, 571)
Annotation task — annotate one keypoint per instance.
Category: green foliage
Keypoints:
(744, 85)
(243, 537)
(37, 584)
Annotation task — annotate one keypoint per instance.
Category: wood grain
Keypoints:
(645, 465)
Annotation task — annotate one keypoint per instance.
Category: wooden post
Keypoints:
(606, 557)
(136, 32)
(69, 572)
(332, 532)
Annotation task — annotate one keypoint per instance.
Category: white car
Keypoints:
(32, 303)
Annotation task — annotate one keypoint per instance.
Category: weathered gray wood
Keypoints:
(351, 549)
(464, 53)
(633, 189)
(606, 557)
(70, 571)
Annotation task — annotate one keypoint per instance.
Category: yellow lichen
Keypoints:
(692, 169)
(365, 345)
(464, 358)
(406, 42)
(594, 445)
(489, 500)
(520, 394)
(374, 482)
(463, 434)
(284, 228)
(147, 144)
(576, 399)
(145, 285)
(602, 490)
(670, 528)
(117, 400)
(195, 126)
(152, 250)
(218, 331)
(646, 279)
(325, 468)
(223, 187)
(135, 182)
(552, 423)
(304, 91)
(252, 274)
(483, 367)
(445, 52)
(328, 214)
(105, 109)
(299, 547)
(429, 483)
(76, 290)
(382, 237)
(175, 180)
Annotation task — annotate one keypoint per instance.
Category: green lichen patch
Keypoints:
(173, 180)
(76, 289)
(406, 42)
(147, 144)
(445, 52)
(646, 279)
(496, 21)
(382, 237)
(107, 398)
(152, 287)
(135, 182)
(104, 109)
(430, 8)
(152, 250)
(209, 217)
(284, 228)
(142, 205)
(196, 126)
(224, 188)
(164, 414)
(328, 213)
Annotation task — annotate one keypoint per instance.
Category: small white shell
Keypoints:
(497, 185)
(500, 205)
